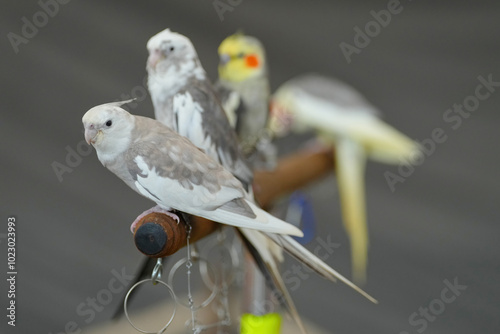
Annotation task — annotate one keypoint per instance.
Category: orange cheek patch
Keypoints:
(252, 61)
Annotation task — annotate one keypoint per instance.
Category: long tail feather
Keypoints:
(351, 161)
(304, 256)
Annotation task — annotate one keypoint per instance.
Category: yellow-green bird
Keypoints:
(243, 88)
(342, 117)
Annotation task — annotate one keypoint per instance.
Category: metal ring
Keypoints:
(177, 265)
(233, 254)
(170, 290)
(157, 270)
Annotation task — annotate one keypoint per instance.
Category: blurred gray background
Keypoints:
(440, 224)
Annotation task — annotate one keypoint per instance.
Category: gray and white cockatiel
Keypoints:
(342, 117)
(165, 167)
(184, 99)
(243, 87)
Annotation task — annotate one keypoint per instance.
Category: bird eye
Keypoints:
(109, 123)
(172, 48)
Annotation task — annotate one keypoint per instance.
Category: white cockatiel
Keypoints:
(341, 116)
(167, 168)
(184, 99)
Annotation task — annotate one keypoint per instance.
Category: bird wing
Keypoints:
(231, 102)
(173, 177)
(262, 221)
(336, 108)
(168, 169)
(332, 91)
(201, 118)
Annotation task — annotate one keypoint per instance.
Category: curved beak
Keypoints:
(154, 57)
(90, 134)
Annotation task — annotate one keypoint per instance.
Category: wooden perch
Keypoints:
(158, 235)
(292, 173)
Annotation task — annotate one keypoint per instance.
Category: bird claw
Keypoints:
(156, 209)
(172, 215)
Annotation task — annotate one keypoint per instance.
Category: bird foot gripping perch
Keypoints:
(157, 209)
(158, 235)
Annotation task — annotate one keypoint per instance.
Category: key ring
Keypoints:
(155, 281)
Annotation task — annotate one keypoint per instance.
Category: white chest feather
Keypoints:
(110, 150)
(166, 82)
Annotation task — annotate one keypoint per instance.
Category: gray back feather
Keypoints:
(333, 91)
(174, 157)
